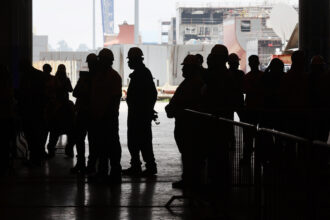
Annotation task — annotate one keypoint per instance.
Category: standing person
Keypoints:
(319, 99)
(62, 121)
(31, 108)
(294, 98)
(252, 105)
(106, 91)
(6, 118)
(49, 92)
(141, 98)
(82, 93)
(218, 98)
(187, 96)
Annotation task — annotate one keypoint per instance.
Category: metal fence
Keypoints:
(285, 177)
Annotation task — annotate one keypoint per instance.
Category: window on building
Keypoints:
(245, 26)
(201, 31)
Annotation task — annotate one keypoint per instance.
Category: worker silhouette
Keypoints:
(186, 96)
(141, 98)
(31, 109)
(294, 96)
(82, 93)
(218, 98)
(252, 104)
(62, 121)
(319, 96)
(106, 91)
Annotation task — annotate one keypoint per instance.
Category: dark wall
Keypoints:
(16, 34)
(314, 27)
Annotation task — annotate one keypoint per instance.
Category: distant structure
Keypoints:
(40, 44)
(244, 29)
(125, 36)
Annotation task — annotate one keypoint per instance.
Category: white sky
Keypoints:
(71, 20)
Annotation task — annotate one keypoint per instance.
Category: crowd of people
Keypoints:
(297, 102)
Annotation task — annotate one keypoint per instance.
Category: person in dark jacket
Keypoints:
(82, 93)
(187, 96)
(252, 104)
(141, 98)
(62, 122)
(106, 92)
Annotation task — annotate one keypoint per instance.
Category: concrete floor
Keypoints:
(51, 192)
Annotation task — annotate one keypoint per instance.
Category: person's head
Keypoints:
(233, 61)
(61, 71)
(298, 59)
(254, 62)
(220, 55)
(276, 66)
(135, 57)
(106, 58)
(91, 61)
(200, 59)
(47, 68)
(210, 61)
(190, 65)
(318, 64)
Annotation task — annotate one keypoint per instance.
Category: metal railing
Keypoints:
(286, 178)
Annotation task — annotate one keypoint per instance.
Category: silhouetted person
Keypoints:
(49, 93)
(106, 93)
(294, 96)
(253, 103)
(219, 97)
(141, 98)
(237, 75)
(82, 93)
(6, 118)
(31, 107)
(186, 96)
(319, 98)
(271, 113)
(62, 122)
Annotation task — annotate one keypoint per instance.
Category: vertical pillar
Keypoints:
(314, 28)
(136, 23)
(16, 34)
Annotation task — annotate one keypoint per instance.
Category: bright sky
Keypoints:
(71, 20)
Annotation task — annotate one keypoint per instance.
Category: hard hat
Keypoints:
(233, 58)
(91, 57)
(106, 54)
(134, 52)
(190, 60)
(317, 60)
(220, 49)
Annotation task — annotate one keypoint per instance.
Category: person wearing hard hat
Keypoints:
(106, 91)
(319, 96)
(187, 96)
(141, 98)
(218, 98)
(82, 93)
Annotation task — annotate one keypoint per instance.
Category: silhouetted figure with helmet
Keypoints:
(319, 99)
(252, 104)
(219, 97)
(82, 93)
(186, 96)
(294, 96)
(141, 98)
(106, 91)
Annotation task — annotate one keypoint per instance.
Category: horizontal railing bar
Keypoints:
(260, 129)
